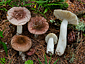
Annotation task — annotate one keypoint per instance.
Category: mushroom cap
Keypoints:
(38, 31)
(67, 15)
(51, 35)
(21, 43)
(18, 15)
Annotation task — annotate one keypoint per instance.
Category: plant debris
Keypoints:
(74, 54)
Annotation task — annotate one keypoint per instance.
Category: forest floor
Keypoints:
(74, 53)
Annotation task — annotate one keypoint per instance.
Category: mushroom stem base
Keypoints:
(22, 55)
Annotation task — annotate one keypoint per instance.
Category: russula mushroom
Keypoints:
(51, 39)
(38, 25)
(66, 17)
(18, 16)
(21, 43)
(30, 52)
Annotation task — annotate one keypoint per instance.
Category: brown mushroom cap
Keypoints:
(21, 43)
(38, 25)
(18, 15)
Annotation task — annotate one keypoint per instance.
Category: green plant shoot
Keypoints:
(29, 62)
(3, 60)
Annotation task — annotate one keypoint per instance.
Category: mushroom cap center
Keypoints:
(38, 25)
(19, 14)
(21, 40)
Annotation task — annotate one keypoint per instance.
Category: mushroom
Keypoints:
(38, 25)
(18, 16)
(51, 39)
(30, 52)
(66, 17)
(21, 43)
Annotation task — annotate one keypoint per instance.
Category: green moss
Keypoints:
(81, 25)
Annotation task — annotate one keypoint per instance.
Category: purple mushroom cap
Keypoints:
(18, 15)
(38, 25)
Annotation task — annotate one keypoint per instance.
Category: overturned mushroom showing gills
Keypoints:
(51, 39)
(38, 25)
(66, 17)
(18, 16)
(21, 43)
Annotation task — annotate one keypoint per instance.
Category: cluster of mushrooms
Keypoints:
(38, 25)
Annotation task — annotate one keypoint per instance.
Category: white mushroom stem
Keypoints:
(50, 46)
(62, 38)
(35, 35)
(22, 55)
(19, 29)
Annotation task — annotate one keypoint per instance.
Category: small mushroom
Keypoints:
(38, 25)
(51, 39)
(66, 17)
(21, 43)
(18, 16)
(30, 52)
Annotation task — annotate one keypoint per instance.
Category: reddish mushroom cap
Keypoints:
(21, 43)
(30, 52)
(38, 25)
(18, 15)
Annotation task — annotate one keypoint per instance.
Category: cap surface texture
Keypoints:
(38, 25)
(21, 43)
(18, 15)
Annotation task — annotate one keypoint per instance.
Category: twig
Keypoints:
(78, 37)
(81, 37)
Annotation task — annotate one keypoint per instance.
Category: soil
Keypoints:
(74, 53)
